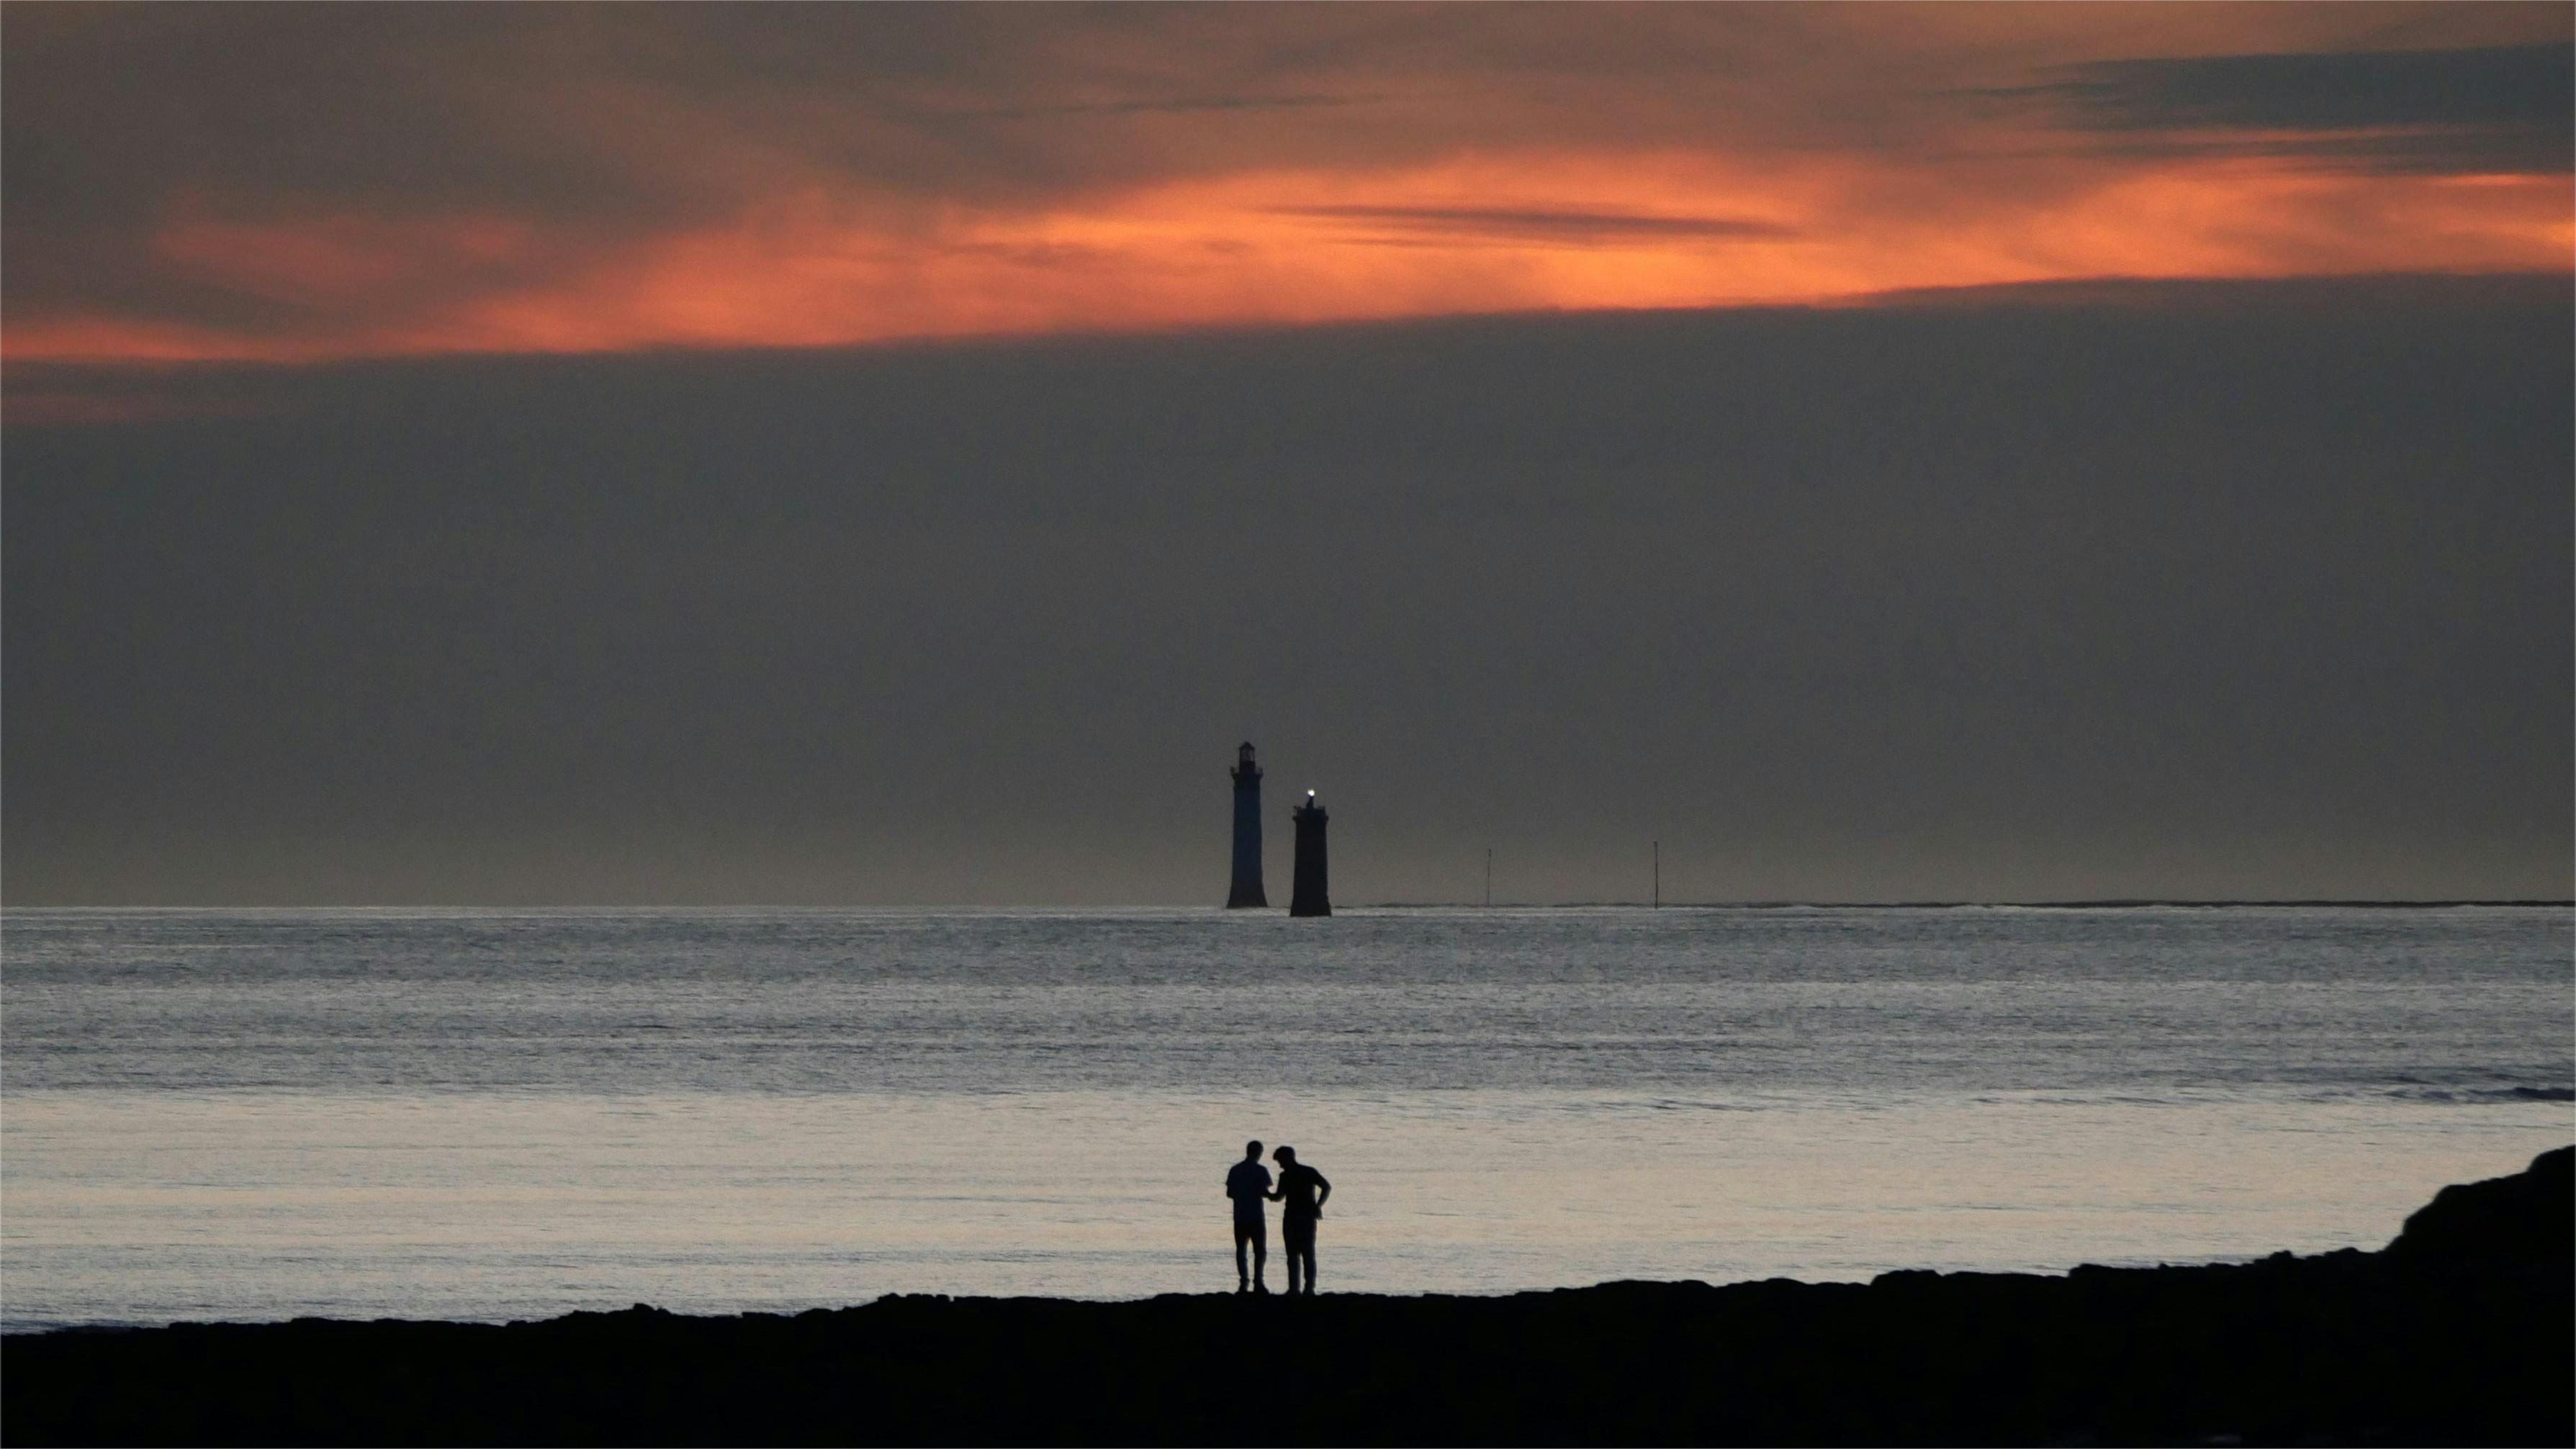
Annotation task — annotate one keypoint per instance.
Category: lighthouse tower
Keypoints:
(1247, 833)
(1311, 898)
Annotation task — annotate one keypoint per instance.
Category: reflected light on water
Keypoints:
(121, 1206)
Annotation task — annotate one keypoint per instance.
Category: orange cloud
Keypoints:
(1500, 233)
(361, 181)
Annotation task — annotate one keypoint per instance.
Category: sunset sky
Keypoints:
(893, 452)
(298, 183)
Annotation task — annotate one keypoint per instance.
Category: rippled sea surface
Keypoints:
(472, 1114)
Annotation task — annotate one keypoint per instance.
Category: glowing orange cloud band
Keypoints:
(1508, 233)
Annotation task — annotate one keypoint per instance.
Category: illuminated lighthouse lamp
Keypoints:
(1312, 897)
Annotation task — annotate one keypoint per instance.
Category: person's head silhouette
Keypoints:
(1252, 1150)
(1285, 1156)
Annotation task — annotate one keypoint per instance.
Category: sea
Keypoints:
(250, 1115)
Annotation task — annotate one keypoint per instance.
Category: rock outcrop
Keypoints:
(2460, 1333)
(2529, 1217)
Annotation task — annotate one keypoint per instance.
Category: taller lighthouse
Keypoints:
(1247, 833)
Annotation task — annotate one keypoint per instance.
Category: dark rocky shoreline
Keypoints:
(2462, 1331)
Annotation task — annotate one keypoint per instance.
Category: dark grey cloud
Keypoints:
(2223, 589)
(2504, 107)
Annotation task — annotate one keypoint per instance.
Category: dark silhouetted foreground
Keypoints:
(2459, 1334)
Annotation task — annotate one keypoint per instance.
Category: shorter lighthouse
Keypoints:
(1311, 898)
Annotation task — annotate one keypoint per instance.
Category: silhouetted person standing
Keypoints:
(1249, 1185)
(1304, 1190)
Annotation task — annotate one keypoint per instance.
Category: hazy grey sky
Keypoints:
(2191, 589)
(892, 453)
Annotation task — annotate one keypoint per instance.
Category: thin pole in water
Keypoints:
(1489, 877)
(1659, 875)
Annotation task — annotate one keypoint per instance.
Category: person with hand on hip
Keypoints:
(1304, 1190)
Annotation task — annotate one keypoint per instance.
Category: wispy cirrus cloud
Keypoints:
(1162, 106)
(1520, 226)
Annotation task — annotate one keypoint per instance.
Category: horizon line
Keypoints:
(2102, 903)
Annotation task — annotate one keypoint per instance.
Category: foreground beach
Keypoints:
(2458, 1332)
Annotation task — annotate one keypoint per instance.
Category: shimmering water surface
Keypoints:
(468, 1114)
